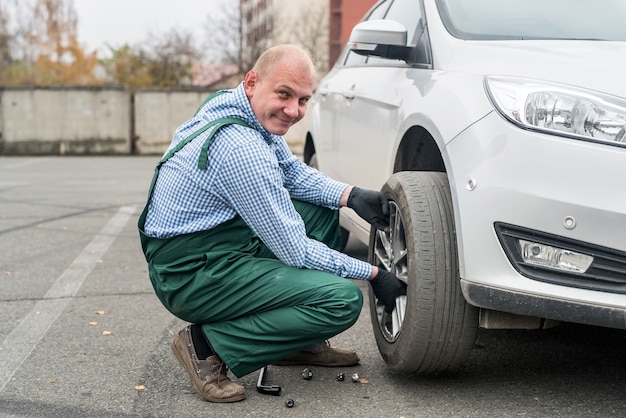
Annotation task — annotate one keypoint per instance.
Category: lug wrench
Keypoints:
(266, 389)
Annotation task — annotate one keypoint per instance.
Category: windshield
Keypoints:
(535, 19)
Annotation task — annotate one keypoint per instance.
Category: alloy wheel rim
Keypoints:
(390, 253)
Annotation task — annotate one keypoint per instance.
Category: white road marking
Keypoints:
(21, 342)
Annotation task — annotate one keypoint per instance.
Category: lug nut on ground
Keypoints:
(289, 403)
(340, 376)
(355, 378)
(307, 374)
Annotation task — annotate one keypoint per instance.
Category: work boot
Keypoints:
(321, 354)
(209, 377)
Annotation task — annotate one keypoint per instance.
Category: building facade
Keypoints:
(256, 25)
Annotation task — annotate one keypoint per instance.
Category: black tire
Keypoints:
(345, 235)
(433, 328)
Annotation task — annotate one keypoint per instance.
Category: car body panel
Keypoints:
(494, 156)
(498, 172)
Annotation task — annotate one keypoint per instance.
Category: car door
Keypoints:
(330, 102)
(368, 119)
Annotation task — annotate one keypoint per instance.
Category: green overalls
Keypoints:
(253, 308)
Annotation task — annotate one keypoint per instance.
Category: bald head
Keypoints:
(281, 55)
(280, 86)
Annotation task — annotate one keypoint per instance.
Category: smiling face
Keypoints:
(279, 88)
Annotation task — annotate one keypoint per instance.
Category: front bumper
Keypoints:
(503, 174)
(543, 306)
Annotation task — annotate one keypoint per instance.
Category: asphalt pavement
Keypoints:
(82, 334)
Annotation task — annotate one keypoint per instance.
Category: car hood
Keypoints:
(595, 65)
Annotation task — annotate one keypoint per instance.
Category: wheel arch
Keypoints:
(309, 148)
(418, 151)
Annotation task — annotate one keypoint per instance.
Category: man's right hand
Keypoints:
(387, 287)
(370, 205)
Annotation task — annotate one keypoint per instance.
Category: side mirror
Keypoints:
(381, 38)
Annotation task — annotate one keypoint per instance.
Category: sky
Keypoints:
(119, 22)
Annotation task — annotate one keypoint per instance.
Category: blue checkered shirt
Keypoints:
(251, 173)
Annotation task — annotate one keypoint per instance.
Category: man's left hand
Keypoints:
(387, 287)
(370, 205)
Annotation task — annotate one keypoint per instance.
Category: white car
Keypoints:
(498, 131)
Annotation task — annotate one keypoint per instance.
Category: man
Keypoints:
(238, 232)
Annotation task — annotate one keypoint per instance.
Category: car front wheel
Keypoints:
(432, 329)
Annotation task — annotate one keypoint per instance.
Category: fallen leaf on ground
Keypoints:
(93, 323)
(363, 380)
(140, 387)
(107, 333)
(99, 312)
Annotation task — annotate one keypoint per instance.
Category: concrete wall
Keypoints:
(98, 120)
(157, 115)
(65, 121)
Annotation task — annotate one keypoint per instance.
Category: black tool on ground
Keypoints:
(266, 389)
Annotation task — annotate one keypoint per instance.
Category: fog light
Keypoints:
(554, 258)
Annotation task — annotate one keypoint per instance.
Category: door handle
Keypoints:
(348, 93)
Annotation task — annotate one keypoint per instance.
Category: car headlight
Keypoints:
(559, 109)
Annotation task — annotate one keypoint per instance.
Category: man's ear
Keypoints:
(249, 82)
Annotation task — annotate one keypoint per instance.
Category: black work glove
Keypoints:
(387, 287)
(370, 205)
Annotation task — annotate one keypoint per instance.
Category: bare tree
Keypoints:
(226, 41)
(308, 28)
(161, 61)
(172, 58)
(5, 38)
(223, 34)
(305, 25)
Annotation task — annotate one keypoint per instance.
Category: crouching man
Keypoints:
(241, 237)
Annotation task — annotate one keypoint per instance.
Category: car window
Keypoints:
(378, 11)
(353, 58)
(534, 19)
(421, 52)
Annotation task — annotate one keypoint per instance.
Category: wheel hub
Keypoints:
(390, 253)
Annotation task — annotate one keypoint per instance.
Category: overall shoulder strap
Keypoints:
(218, 123)
(202, 160)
